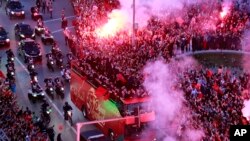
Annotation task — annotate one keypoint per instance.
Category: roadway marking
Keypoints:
(51, 102)
(22, 65)
(57, 19)
(59, 30)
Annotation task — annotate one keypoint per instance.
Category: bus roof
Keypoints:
(135, 100)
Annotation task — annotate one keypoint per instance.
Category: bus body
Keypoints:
(95, 103)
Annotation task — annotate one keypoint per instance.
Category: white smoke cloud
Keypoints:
(171, 113)
(245, 44)
(145, 9)
(245, 41)
(246, 109)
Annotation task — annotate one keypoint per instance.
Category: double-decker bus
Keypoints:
(96, 103)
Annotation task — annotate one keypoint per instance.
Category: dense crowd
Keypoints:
(216, 99)
(118, 65)
(17, 123)
(215, 96)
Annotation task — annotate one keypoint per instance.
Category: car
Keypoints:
(23, 31)
(14, 8)
(28, 48)
(4, 39)
(93, 135)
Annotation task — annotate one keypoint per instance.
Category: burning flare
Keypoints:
(116, 23)
(226, 6)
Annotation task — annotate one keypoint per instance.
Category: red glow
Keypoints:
(115, 24)
(225, 11)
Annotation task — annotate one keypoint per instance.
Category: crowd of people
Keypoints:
(18, 124)
(119, 65)
(216, 97)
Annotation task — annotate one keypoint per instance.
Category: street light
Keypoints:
(133, 30)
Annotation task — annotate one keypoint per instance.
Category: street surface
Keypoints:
(22, 76)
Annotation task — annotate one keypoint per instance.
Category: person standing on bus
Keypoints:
(59, 138)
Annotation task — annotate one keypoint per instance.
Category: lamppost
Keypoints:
(133, 30)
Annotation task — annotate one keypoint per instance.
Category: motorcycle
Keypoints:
(59, 59)
(69, 59)
(49, 87)
(59, 87)
(31, 67)
(45, 114)
(35, 14)
(55, 50)
(60, 90)
(59, 63)
(39, 29)
(33, 77)
(68, 116)
(66, 75)
(50, 62)
(11, 75)
(35, 94)
(47, 37)
(10, 67)
(10, 56)
(50, 131)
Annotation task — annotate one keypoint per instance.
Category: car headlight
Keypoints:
(62, 88)
(51, 89)
(33, 35)
(7, 40)
(12, 73)
(12, 59)
(21, 35)
(42, 94)
(52, 62)
(12, 12)
(34, 94)
(32, 66)
(22, 12)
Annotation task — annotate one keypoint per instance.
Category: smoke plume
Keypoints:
(168, 99)
(246, 109)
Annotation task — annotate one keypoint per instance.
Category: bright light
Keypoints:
(246, 110)
(225, 9)
(116, 23)
(223, 13)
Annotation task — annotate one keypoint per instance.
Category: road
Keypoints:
(22, 77)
